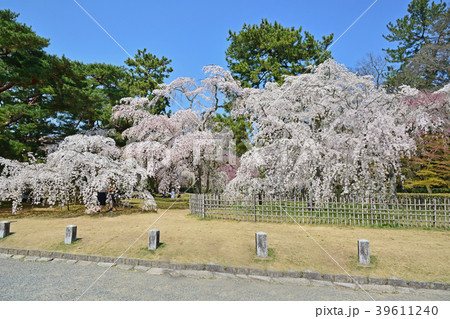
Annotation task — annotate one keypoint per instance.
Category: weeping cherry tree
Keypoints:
(326, 133)
(74, 171)
(185, 144)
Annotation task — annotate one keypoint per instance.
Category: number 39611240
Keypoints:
(407, 310)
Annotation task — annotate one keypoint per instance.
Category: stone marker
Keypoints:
(71, 234)
(261, 244)
(153, 239)
(4, 229)
(363, 251)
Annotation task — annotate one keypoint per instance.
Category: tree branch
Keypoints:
(99, 80)
(6, 87)
(13, 119)
(5, 52)
(34, 99)
(79, 121)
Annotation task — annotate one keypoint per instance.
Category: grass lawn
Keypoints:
(73, 210)
(177, 203)
(412, 254)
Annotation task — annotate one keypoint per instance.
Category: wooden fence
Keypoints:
(405, 212)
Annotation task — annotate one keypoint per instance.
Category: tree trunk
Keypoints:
(392, 182)
(198, 182)
(207, 181)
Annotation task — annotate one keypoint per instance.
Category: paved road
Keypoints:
(42, 281)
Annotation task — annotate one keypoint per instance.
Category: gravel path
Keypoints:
(65, 280)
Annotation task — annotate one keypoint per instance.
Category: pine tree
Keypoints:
(421, 58)
(265, 53)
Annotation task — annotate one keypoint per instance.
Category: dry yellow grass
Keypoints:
(410, 254)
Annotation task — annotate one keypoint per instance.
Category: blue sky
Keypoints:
(193, 33)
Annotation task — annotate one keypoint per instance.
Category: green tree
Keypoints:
(101, 89)
(430, 167)
(239, 126)
(421, 56)
(44, 98)
(25, 97)
(264, 53)
(21, 52)
(144, 73)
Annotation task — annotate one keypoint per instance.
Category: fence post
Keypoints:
(446, 211)
(281, 209)
(434, 215)
(254, 206)
(190, 201)
(202, 201)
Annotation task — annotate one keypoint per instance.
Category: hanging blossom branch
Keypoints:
(184, 145)
(75, 171)
(329, 132)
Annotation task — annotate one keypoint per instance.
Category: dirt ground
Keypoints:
(409, 254)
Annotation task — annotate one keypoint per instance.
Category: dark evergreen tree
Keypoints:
(264, 53)
(144, 73)
(421, 58)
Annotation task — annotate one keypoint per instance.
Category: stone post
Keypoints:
(71, 234)
(363, 252)
(153, 239)
(261, 244)
(4, 229)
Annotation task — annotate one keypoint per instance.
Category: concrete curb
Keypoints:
(208, 270)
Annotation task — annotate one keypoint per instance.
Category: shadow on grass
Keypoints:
(2, 239)
(204, 218)
(62, 246)
(120, 212)
(144, 252)
(270, 256)
(76, 210)
(354, 262)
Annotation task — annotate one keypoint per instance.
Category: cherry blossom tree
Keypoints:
(74, 171)
(186, 143)
(425, 112)
(326, 133)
